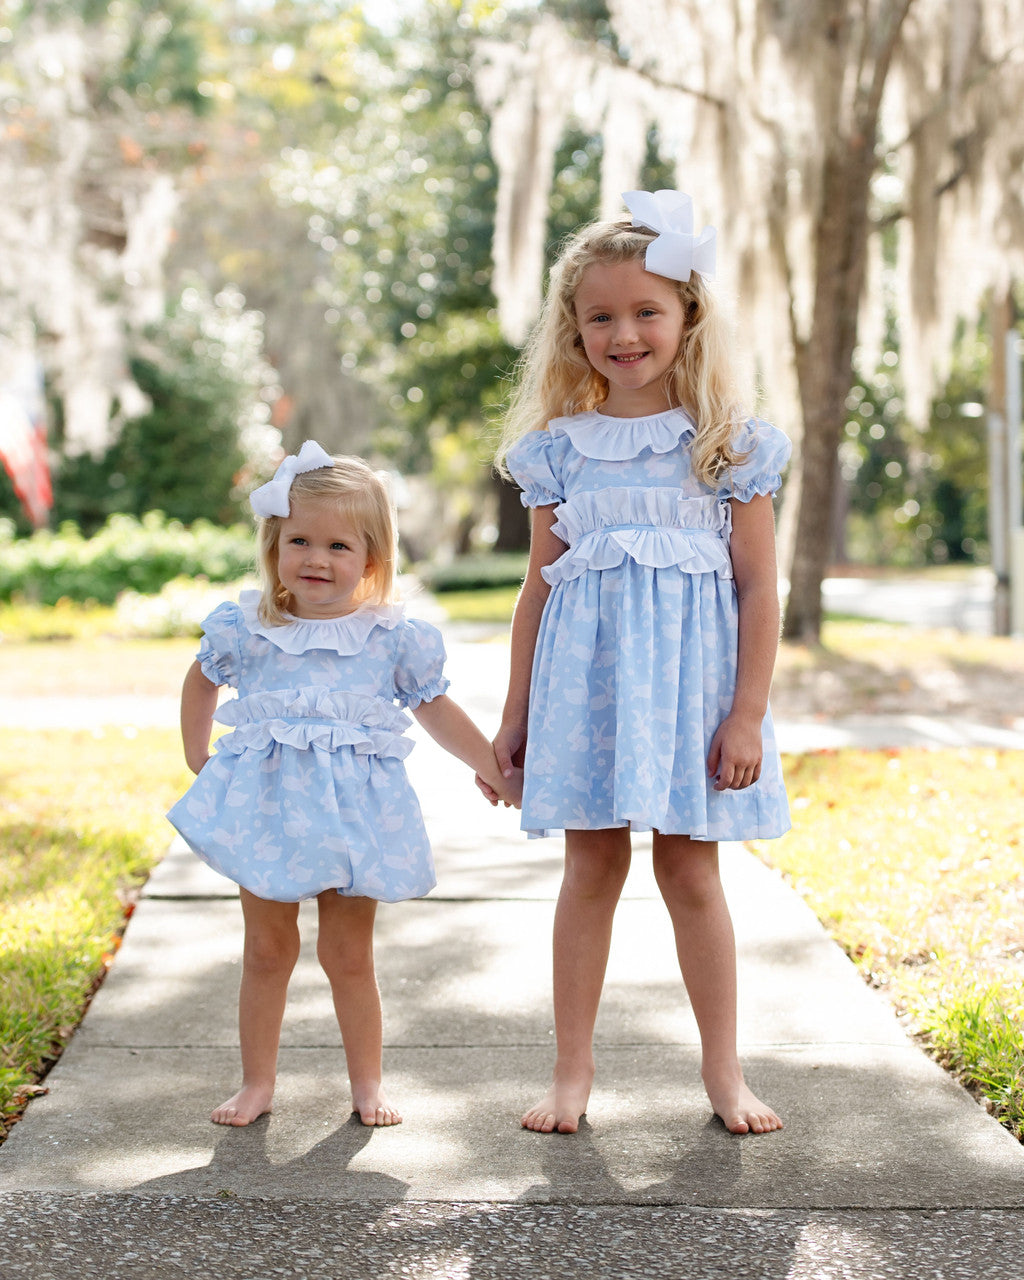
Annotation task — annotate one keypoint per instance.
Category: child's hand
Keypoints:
(509, 746)
(511, 794)
(488, 792)
(734, 760)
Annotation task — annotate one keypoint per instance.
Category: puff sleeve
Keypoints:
(419, 664)
(767, 451)
(531, 460)
(220, 653)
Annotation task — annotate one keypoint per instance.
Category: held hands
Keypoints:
(734, 760)
(509, 748)
(511, 793)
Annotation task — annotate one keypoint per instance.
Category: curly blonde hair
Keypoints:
(554, 378)
(358, 494)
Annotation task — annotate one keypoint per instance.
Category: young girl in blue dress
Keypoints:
(645, 635)
(308, 795)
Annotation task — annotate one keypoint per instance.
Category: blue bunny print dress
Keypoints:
(309, 791)
(635, 663)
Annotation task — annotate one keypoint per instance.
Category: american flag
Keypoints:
(23, 440)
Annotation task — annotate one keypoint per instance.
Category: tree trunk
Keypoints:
(824, 373)
(513, 523)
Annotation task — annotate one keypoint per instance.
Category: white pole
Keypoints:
(1015, 511)
(998, 548)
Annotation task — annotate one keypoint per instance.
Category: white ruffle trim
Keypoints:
(315, 717)
(345, 636)
(654, 527)
(692, 550)
(618, 439)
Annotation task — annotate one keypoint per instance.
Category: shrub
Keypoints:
(496, 569)
(126, 554)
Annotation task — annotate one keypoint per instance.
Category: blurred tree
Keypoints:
(916, 494)
(98, 101)
(202, 444)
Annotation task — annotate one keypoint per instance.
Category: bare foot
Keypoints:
(247, 1105)
(371, 1103)
(734, 1104)
(564, 1104)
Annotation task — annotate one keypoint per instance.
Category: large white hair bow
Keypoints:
(677, 252)
(271, 499)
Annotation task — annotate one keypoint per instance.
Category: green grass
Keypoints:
(487, 604)
(81, 825)
(912, 860)
(66, 620)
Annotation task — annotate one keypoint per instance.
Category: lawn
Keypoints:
(81, 825)
(912, 861)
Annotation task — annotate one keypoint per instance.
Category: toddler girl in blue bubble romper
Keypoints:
(307, 796)
(645, 635)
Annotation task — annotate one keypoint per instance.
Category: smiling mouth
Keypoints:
(630, 359)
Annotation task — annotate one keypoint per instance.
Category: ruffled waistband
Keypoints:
(315, 717)
(654, 527)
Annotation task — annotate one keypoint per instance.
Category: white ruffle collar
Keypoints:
(345, 636)
(618, 439)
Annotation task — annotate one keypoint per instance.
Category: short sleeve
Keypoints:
(767, 451)
(531, 460)
(419, 663)
(220, 653)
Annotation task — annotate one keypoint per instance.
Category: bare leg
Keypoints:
(345, 951)
(271, 949)
(596, 865)
(687, 874)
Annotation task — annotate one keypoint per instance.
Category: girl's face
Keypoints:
(631, 323)
(321, 560)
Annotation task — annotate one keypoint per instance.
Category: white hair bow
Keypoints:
(677, 252)
(271, 499)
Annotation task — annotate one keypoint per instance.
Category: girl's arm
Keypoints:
(451, 728)
(198, 703)
(545, 548)
(735, 755)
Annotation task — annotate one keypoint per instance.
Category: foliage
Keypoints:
(912, 861)
(126, 554)
(80, 827)
(469, 572)
(177, 610)
(205, 435)
(400, 197)
(918, 496)
(153, 48)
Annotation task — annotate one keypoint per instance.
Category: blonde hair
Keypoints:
(359, 495)
(554, 378)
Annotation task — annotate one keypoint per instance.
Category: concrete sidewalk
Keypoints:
(886, 1168)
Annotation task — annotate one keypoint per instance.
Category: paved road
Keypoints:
(962, 604)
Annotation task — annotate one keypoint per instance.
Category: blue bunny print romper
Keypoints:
(309, 791)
